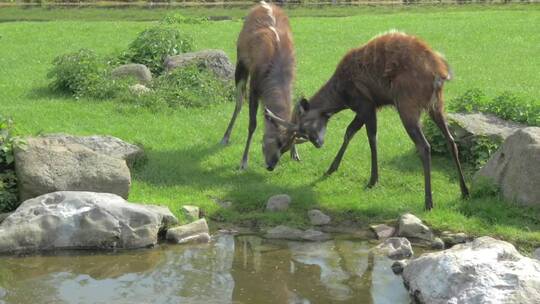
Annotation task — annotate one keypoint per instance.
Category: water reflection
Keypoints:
(245, 269)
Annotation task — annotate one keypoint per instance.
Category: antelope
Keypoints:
(391, 69)
(265, 55)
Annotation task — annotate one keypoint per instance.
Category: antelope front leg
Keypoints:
(353, 127)
(294, 153)
(371, 128)
(253, 106)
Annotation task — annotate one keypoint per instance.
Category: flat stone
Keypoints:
(318, 218)
(215, 61)
(450, 239)
(191, 212)
(187, 233)
(437, 243)
(411, 226)
(278, 202)
(294, 234)
(139, 72)
(396, 248)
(82, 220)
(383, 231)
(315, 236)
(483, 271)
(467, 126)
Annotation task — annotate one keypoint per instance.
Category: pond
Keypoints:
(242, 269)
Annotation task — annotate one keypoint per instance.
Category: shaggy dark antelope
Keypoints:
(265, 54)
(391, 69)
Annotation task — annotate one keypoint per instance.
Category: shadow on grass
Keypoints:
(247, 189)
(48, 93)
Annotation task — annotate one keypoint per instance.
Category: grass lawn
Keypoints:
(492, 49)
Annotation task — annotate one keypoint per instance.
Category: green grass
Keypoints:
(492, 49)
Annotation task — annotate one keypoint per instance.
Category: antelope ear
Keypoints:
(277, 120)
(304, 105)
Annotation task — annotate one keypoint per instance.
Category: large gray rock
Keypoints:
(82, 220)
(383, 231)
(3, 216)
(294, 234)
(103, 144)
(396, 248)
(536, 253)
(196, 231)
(411, 226)
(214, 60)
(483, 271)
(515, 167)
(278, 202)
(45, 165)
(466, 127)
(139, 72)
(318, 218)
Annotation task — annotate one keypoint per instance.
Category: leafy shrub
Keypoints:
(507, 106)
(8, 179)
(184, 87)
(154, 44)
(178, 18)
(84, 74)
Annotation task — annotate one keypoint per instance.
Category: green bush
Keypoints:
(154, 44)
(184, 87)
(84, 74)
(8, 179)
(177, 18)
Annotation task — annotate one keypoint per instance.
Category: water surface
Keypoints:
(243, 269)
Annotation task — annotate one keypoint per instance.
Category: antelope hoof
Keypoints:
(296, 157)
(224, 141)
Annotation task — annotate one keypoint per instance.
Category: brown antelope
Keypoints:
(265, 54)
(391, 69)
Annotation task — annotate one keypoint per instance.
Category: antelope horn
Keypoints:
(288, 125)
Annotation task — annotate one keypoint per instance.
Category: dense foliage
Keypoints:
(153, 45)
(8, 179)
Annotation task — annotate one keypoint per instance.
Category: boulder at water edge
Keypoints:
(82, 220)
(486, 271)
(196, 232)
(515, 167)
(412, 227)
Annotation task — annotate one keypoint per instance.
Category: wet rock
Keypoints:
(139, 89)
(196, 231)
(437, 243)
(191, 212)
(395, 248)
(450, 239)
(318, 218)
(138, 72)
(483, 271)
(398, 266)
(514, 167)
(383, 231)
(537, 254)
(102, 144)
(411, 226)
(49, 164)
(215, 61)
(3, 216)
(294, 234)
(82, 220)
(278, 202)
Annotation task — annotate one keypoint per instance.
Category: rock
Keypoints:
(168, 219)
(537, 253)
(466, 127)
(139, 89)
(411, 226)
(514, 167)
(191, 212)
(396, 248)
(44, 165)
(398, 266)
(136, 71)
(437, 243)
(293, 234)
(3, 216)
(450, 239)
(103, 144)
(278, 202)
(196, 231)
(214, 60)
(318, 218)
(81, 220)
(383, 231)
(483, 271)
